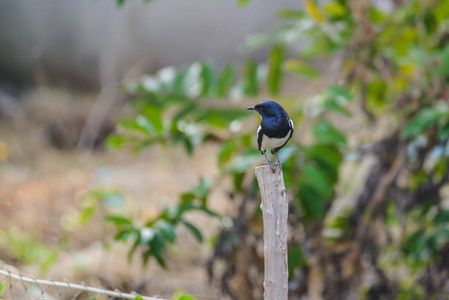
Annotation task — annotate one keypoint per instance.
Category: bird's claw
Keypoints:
(272, 166)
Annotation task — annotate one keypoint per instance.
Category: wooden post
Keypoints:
(274, 207)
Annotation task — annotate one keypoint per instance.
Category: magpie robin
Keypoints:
(275, 129)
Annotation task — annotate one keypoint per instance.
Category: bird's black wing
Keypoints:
(259, 138)
(290, 123)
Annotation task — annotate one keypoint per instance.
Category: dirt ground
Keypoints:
(42, 191)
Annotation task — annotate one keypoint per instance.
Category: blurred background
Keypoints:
(127, 153)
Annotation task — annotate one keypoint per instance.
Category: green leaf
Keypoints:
(1, 287)
(315, 178)
(225, 81)
(310, 202)
(335, 9)
(158, 247)
(332, 105)
(414, 243)
(442, 233)
(132, 125)
(195, 231)
(237, 181)
(116, 141)
(442, 217)
(188, 145)
(168, 231)
(376, 93)
(243, 3)
(291, 14)
(153, 114)
(87, 213)
(48, 261)
(274, 77)
(325, 133)
(316, 47)
(124, 235)
(423, 120)
(301, 68)
(430, 22)
(376, 15)
(133, 249)
(226, 152)
(146, 256)
(202, 189)
(296, 259)
(327, 157)
(207, 78)
(118, 220)
(250, 81)
(120, 2)
(177, 84)
(339, 91)
(146, 125)
(138, 297)
(186, 207)
(187, 197)
(242, 163)
(443, 132)
(186, 110)
(185, 297)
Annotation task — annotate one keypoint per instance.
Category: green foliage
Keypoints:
(183, 106)
(422, 246)
(243, 3)
(296, 259)
(425, 119)
(326, 133)
(156, 233)
(182, 296)
(274, 77)
(24, 247)
(302, 68)
(106, 200)
(393, 63)
(170, 111)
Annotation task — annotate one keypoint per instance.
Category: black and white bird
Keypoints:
(275, 129)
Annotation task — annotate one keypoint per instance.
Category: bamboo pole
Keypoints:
(274, 207)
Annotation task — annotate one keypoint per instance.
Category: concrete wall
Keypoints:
(64, 40)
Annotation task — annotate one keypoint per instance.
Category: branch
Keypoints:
(275, 212)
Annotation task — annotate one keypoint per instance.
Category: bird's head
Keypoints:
(268, 108)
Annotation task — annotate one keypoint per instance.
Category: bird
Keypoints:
(275, 129)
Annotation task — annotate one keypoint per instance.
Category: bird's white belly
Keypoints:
(274, 142)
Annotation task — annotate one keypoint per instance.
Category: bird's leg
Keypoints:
(279, 161)
(268, 162)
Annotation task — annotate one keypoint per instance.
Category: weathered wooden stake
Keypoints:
(274, 207)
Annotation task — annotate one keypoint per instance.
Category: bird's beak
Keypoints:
(251, 108)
